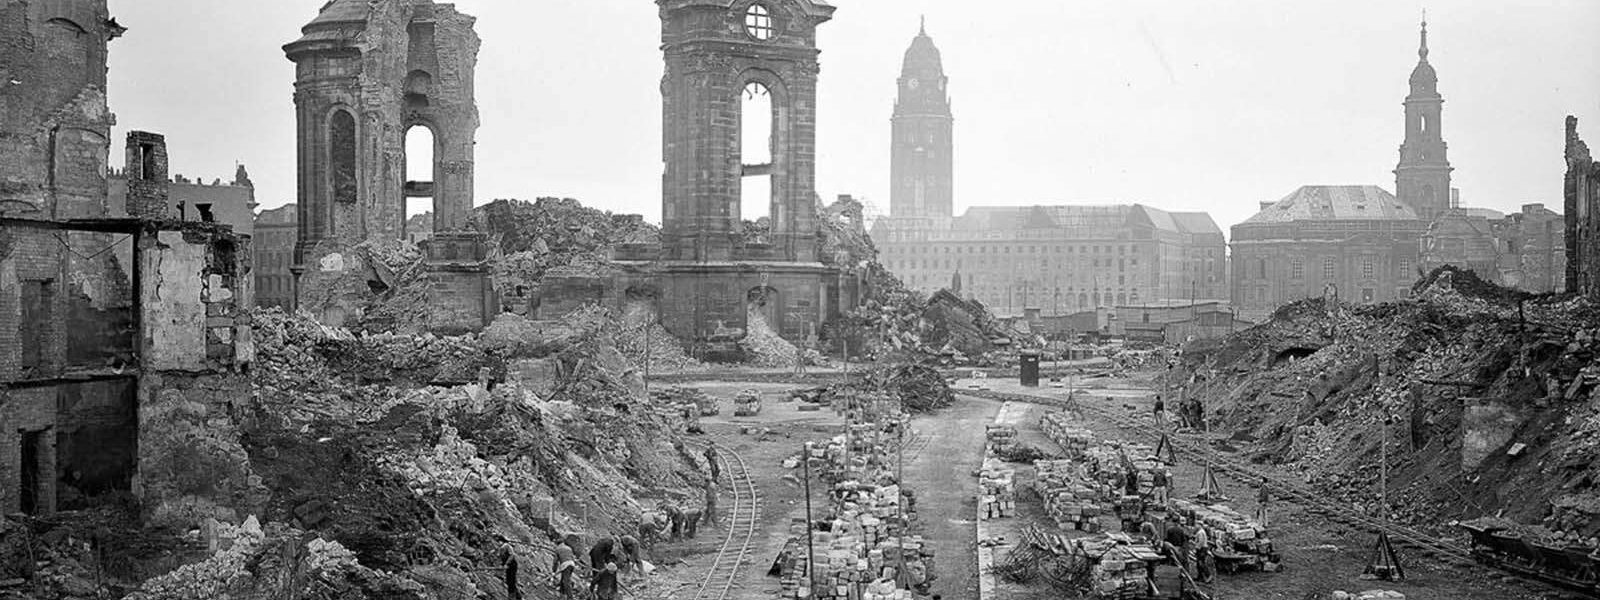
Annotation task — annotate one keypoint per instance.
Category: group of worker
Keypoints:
(1191, 414)
(1187, 545)
(611, 557)
(606, 561)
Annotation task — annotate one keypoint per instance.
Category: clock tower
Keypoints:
(922, 157)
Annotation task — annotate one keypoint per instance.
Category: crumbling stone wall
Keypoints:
(1582, 193)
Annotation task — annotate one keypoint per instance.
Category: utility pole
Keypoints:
(648, 325)
(811, 549)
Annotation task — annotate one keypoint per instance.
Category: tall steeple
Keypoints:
(922, 149)
(1422, 179)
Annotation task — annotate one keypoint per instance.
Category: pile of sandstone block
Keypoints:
(1228, 528)
(1067, 433)
(1070, 498)
(1124, 568)
(997, 490)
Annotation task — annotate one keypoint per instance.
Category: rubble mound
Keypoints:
(762, 346)
(1491, 396)
(391, 466)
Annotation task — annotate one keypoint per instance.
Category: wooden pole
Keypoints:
(811, 549)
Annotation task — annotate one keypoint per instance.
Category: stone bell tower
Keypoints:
(714, 272)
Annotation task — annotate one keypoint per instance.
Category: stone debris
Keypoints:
(1461, 372)
(763, 347)
(1368, 595)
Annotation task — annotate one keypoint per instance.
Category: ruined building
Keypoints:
(230, 203)
(1360, 243)
(117, 323)
(740, 223)
(1059, 259)
(369, 75)
(1582, 190)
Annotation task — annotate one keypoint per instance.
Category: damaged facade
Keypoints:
(114, 319)
(368, 76)
(1362, 244)
(1582, 190)
(713, 271)
(230, 203)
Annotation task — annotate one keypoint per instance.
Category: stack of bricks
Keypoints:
(1123, 568)
(998, 492)
(1106, 465)
(1073, 500)
(1001, 438)
(1227, 527)
(1062, 429)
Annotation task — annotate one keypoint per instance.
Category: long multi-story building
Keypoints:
(1059, 259)
(230, 203)
(1062, 259)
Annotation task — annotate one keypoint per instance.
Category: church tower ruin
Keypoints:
(369, 75)
(739, 102)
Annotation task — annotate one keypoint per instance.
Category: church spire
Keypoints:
(923, 30)
(1422, 51)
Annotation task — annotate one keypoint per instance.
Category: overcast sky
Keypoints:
(1179, 104)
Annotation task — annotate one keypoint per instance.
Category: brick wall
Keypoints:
(148, 195)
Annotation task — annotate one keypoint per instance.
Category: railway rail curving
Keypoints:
(735, 551)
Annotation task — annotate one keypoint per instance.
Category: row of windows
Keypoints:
(1330, 268)
(929, 249)
(934, 263)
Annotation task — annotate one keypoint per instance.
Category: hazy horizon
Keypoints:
(1178, 105)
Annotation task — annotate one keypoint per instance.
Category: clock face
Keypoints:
(913, 83)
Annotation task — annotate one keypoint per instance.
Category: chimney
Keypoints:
(147, 176)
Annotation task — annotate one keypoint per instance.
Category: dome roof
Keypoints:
(923, 56)
(342, 11)
(1424, 73)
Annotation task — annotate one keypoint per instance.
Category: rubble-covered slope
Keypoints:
(1486, 412)
(399, 466)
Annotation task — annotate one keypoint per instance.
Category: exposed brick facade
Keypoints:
(148, 185)
(94, 305)
(1582, 192)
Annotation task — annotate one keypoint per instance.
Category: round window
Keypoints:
(758, 22)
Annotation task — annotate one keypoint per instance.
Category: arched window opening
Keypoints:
(342, 156)
(1427, 128)
(420, 168)
(755, 151)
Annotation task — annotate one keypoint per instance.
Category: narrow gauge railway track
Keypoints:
(735, 552)
(1301, 494)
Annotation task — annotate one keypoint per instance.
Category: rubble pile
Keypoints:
(527, 239)
(385, 465)
(1490, 397)
(762, 346)
(964, 326)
